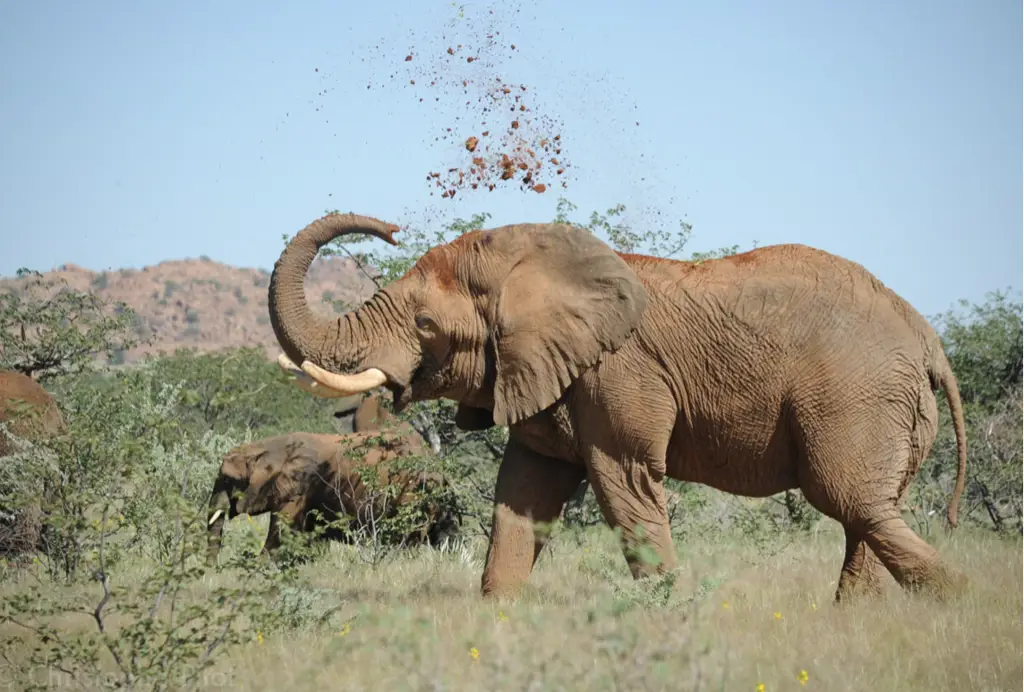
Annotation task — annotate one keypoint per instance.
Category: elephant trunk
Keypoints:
(221, 509)
(302, 335)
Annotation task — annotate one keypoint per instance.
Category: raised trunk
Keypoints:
(302, 334)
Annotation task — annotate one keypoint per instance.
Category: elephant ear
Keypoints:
(568, 300)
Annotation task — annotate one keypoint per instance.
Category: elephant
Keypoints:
(360, 414)
(28, 410)
(345, 414)
(292, 475)
(31, 413)
(783, 367)
(371, 414)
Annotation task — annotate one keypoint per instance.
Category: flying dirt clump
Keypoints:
(524, 150)
(505, 137)
(494, 131)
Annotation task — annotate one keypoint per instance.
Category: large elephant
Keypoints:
(783, 367)
(292, 475)
(29, 412)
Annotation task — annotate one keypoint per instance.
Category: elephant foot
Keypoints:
(916, 565)
(500, 594)
(863, 573)
(944, 584)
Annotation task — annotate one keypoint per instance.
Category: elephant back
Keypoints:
(28, 410)
(372, 455)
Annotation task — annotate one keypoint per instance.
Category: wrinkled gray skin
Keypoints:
(292, 475)
(783, 367)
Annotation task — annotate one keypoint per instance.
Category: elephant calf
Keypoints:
(292, 475)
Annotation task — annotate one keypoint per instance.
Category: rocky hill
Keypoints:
(207, 305)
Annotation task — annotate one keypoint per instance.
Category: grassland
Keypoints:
(739, 614)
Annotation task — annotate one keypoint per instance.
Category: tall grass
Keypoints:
(738, 614)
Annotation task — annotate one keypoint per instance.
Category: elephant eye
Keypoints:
(423, 322)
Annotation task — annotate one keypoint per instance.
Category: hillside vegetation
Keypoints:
(198, 303)
(118, 595)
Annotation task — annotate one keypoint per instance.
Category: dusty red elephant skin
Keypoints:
(782, 367)
(30, 412)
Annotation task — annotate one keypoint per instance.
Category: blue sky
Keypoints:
(887, 132)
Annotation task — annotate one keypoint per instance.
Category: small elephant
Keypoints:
(31, 413)
(293, 475)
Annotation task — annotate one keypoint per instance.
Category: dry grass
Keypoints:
(738, 616)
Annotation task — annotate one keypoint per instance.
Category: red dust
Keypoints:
(521, 143)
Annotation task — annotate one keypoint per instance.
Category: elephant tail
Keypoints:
(941, 375)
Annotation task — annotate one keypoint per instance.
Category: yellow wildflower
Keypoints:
(502, 617)
(802, 677)
(259, 637)
(474, 653)
(248, 518)
(725, 604)
(814, 606)
(778, 615)
(345, 629)
(760, 687)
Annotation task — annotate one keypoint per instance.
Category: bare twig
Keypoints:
(101, 575)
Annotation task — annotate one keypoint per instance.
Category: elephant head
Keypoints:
(235, 471)
(500, 320)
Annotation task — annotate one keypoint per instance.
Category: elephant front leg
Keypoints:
(631, 495)
(531, 489)
(290, 514)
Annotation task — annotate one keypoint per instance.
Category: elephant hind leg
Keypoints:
(862, 572)
(868, 508)
(915, 564)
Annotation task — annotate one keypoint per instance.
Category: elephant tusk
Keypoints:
(307, 383)
(216, 515)
(346, 385)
